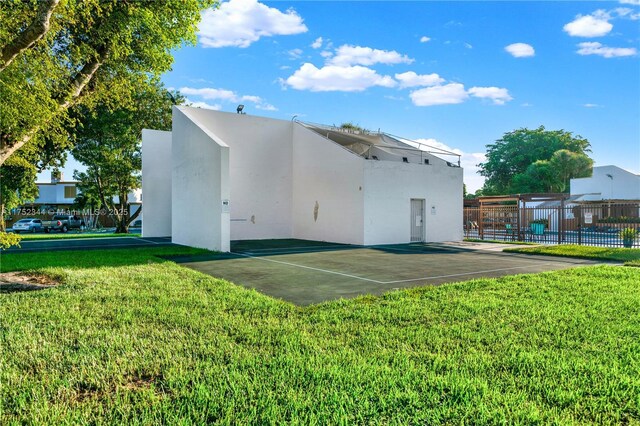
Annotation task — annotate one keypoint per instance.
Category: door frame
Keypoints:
(412, 216)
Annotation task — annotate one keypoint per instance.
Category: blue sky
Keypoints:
(454, 74)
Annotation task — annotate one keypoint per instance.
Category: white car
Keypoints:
(27, 225)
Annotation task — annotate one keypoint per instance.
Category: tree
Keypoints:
(567, 165)
(538, 178)
(509, 159)
(108, 143)
(17, 185)
(32, 33)
(56, 54)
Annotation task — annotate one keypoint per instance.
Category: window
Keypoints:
(69, 192)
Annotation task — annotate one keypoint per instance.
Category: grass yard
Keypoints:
(630, 256)
(129, 338)
(60, 236)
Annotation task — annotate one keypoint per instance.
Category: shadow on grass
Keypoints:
(6, 288)
(82, 259)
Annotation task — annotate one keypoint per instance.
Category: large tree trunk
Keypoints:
(75, 88)
(3, 225)
(122, 227)
(30, 35)
(123, 221)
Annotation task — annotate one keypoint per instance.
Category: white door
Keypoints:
(417, 220)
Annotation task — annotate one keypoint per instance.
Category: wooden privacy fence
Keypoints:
(594, 224)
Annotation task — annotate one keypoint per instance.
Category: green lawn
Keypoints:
(146, 341)
(629, 256)
(72, 235)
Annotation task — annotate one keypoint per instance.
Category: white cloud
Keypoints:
(347, 55)
(591, 105)
(594, 25)
(497, 94)
(625, 12)
(468, 45)
(224, 95)
(411, 79)
(201, 104)
(452, 93)
(317, 44)
(210, 93)
(266, 107)
(326, 54)
(424, 39)
(295, 53)
(468, 161)
(526, 105)
(595, 48)
(337, 78)
(520, 50)
(239, 23)
(633, 2)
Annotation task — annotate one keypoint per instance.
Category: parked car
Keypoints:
(62, 223)
(27, 225)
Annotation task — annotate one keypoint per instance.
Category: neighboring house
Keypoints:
(58, 196)
(607, 183)
(220, 176)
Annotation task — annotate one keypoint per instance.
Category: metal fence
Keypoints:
(604, 224)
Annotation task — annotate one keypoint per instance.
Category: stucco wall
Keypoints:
(260, 167)
(390, 186)
(47, 194)
(622, 185)
(156, 183)
(200, 185)
(327, 174)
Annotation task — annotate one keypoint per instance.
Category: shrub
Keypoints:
(628, 234)
(621, 219)
(545, 222)
(9, 239)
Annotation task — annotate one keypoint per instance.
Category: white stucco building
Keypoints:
(607, 183)
(221, 176)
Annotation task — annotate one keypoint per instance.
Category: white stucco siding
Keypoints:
(389, 188)
(47, 194)
(610, 182)
(200, 185)
(327, 174)
(260, 167)
(156, 183)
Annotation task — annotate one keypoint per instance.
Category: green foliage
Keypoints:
(621, 219)
(352, 127)
(129, 338)
(8, 240)
(545, 222)
(17, 182)
(108, 143)
(531, 161)
(628, 234)
(92, 52)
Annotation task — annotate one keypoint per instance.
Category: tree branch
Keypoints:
(27, 38)
(76, 86)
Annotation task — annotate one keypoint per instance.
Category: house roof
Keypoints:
(371, 144)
